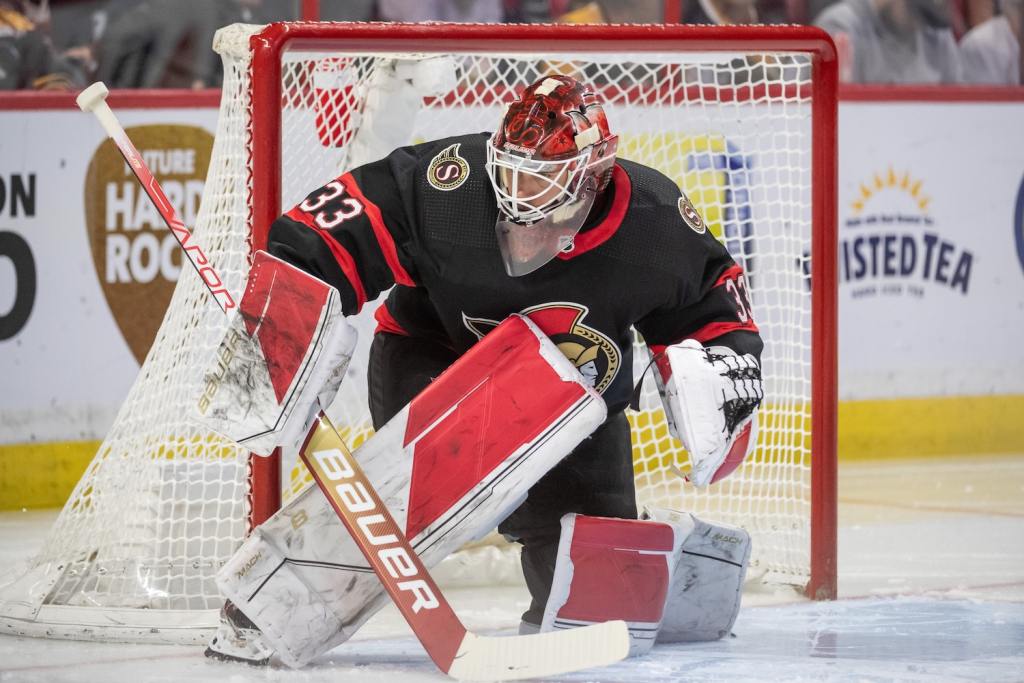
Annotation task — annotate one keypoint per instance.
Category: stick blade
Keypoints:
(509, 658)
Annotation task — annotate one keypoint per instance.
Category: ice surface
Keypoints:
(931, 580)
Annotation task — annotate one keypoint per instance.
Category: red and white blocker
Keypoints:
(448, 467)
(283, 355)
(671, 577)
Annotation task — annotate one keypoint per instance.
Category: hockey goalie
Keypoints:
(518, 264)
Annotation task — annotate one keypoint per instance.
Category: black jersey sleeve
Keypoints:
(356, 232)
(708, 301)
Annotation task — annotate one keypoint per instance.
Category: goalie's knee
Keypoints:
(670, 577)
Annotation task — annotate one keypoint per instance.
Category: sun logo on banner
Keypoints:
(890, 181)
(891, 244)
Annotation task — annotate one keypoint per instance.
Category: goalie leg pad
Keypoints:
(610, 569)
(595, 479)
(279, 582)
(449, 467)
(707, 582)
(286, 349)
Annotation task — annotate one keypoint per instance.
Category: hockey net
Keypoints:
(734, 116)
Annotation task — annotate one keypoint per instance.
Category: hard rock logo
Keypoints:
(596, 357)
(136, 257)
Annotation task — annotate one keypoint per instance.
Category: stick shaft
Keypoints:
(455, 650)
(193, 251)
(383, 543)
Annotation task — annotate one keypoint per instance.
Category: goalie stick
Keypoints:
(456, 651)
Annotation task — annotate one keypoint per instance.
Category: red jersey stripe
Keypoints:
(340, 253)
(715, 330)
(706, 334)
(730, 273)
(603, 231)
(380, 231)
(387, 323)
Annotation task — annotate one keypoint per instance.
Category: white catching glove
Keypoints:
(711, 397)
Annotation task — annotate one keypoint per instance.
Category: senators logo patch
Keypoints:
(690, 215)
(448, 170)
(596, 357)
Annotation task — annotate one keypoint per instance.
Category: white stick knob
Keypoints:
(94, 99)
(92, 96)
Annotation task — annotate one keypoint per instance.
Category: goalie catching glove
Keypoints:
(710, 395)
(283, 356)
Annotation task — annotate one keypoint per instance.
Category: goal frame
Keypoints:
(266, 155)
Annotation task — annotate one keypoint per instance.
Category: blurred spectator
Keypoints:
(614, 12)
(348, 10)
(533, 11)
(75, 27)
(721, 12)
(589, 13)
(893, 41)
(27, 56)
(688, 12)
(488, 11)
(168, 43)
(809, 9)
(976, 12)
(992, 50)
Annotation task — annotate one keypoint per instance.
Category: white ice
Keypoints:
(931, 583)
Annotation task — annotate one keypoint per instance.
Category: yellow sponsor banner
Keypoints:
(927, 427)
(43, 475)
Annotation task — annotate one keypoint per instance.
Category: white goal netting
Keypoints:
(164, 503)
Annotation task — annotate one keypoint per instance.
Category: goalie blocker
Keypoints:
(671, 577)
(451, 465)
(284, 355)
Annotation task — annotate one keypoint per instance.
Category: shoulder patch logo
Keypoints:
(448, 170)
(690, 215)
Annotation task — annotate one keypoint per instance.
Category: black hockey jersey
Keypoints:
(423, 219)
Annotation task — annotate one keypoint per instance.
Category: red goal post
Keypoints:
(269, 98)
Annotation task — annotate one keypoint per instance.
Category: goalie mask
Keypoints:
(547, 162)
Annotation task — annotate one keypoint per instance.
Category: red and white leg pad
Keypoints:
(449, 466)
(610, 569)
(283, 355)
(671, 577)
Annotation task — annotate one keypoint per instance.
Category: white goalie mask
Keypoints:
(548, 161)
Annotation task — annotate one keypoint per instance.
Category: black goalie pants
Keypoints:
(595, 479)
